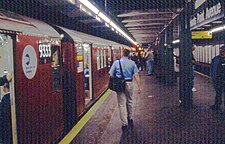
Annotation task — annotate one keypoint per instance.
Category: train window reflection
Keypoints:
(56, 77)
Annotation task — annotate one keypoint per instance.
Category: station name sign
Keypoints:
(208, 13)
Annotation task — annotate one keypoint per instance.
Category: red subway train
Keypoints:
(58, 74)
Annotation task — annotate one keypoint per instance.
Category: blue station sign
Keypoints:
(209, 11)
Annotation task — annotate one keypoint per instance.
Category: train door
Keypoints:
(7, 107)
(87, 73)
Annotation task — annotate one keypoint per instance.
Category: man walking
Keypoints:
(125, 99)
(217, 73)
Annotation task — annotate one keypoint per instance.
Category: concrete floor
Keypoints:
(158, 119)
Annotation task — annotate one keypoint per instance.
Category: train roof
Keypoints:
(16, 23)
(86, 38)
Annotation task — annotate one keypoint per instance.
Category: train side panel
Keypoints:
(39, 108)
(69, 85)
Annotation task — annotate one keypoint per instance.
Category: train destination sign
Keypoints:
(205, 15)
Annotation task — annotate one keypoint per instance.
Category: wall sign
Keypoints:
(201, 35)
(44, 53)
(29, 62)
(207, 13)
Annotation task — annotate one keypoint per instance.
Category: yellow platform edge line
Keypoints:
(81, 123)
(202, 74)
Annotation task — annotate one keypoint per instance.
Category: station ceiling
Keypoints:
(140, 19)
(143, 19)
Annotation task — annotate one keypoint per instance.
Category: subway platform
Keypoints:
(158, 119)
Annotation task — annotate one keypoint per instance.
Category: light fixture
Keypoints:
(90, 6)
(176, 41)
(72, 1)
(217, 22)
(106, 24)
(83, 8)
(104, 17)
(207, 25)
(97, 18)
(98, 14)
(217, 29)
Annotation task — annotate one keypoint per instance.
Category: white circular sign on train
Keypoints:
(29, 62)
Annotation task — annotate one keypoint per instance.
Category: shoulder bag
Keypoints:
(117, 84)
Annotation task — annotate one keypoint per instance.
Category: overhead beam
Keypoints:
(145, 28)
(144, 20)
(142, 31)
(142, 13)
(139, 24)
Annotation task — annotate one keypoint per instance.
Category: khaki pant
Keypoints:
(125, 103)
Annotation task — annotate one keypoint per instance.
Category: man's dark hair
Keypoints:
(126, 52)
(222, 48)
(7, 85)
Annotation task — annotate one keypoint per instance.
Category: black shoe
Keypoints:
(215, 107)
(125, 129)
(130, 123)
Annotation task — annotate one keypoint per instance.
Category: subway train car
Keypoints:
(27, 49)
(82, 53)
(57, 75)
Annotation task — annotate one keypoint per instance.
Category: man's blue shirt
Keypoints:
(128, 67)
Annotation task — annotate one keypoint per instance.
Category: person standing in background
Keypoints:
(5, 116)
(149, 61)
(134, 58)
(217, 73)
(193, 68)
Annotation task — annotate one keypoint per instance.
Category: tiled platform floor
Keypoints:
(158, 119)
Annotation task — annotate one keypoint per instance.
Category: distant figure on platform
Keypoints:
(134, 58)
(141, 56)
(193, 67)
(125, 99)
(217, 73)
(149, 62)
(5, 116)
(86, 81)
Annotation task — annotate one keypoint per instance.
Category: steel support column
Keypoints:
(169, 61)
(186, 70)
(162, 50)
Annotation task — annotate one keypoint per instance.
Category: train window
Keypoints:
(101, 56)
(98, 59)
(104, 58)
(56, 77)
(109, 56)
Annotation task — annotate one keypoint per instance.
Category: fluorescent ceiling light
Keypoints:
(217, 22)
(97, 18)
(218, 29)
(104, 17)
(99, 15)
(176, 41)
(72, 1)
(200, 28)
(207, 25)
(90, 6)
(83, 8)
(106, 24)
